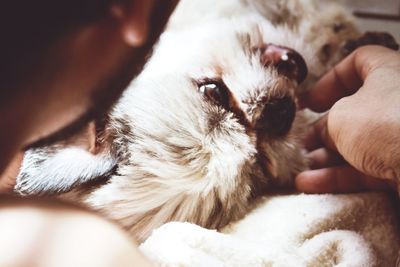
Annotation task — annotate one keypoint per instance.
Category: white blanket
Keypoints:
(292, 230)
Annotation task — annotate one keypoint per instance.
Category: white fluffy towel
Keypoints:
(350, 230)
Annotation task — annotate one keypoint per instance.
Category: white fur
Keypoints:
(64, 169)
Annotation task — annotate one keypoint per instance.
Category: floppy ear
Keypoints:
(62, 166)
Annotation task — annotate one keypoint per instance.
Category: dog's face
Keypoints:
(207, 127)
(224, 90)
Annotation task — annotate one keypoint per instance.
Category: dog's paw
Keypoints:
(371, 38)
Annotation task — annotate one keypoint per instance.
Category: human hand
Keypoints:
(356, 145)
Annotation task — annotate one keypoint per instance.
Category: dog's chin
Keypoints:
(280, 160)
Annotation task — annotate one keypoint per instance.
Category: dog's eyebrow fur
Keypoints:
(249, 40)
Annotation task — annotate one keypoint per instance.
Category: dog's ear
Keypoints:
(62, 166)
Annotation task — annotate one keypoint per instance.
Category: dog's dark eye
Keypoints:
(337, 27)
(217, 92)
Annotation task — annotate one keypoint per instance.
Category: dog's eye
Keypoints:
(217, 92)
(337, 27)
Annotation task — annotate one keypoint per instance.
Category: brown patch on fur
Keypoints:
(240, 115)
(278, 13)
(119, 137)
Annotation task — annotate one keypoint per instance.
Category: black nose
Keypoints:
(287, 61)
(277, 117)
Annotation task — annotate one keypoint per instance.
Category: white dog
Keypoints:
(209, 125)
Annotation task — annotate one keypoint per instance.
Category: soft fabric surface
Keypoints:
(292, 230)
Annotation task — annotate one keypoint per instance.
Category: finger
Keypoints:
(323, 158)
(318, 136)
(343, 179)
(313, 138)
(345, 78)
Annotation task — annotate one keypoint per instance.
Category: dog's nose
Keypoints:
(277, 117)
(287, 61)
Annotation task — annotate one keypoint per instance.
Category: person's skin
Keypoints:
(47, 234)
(78, 66)
(356, 145)
(65, 87)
